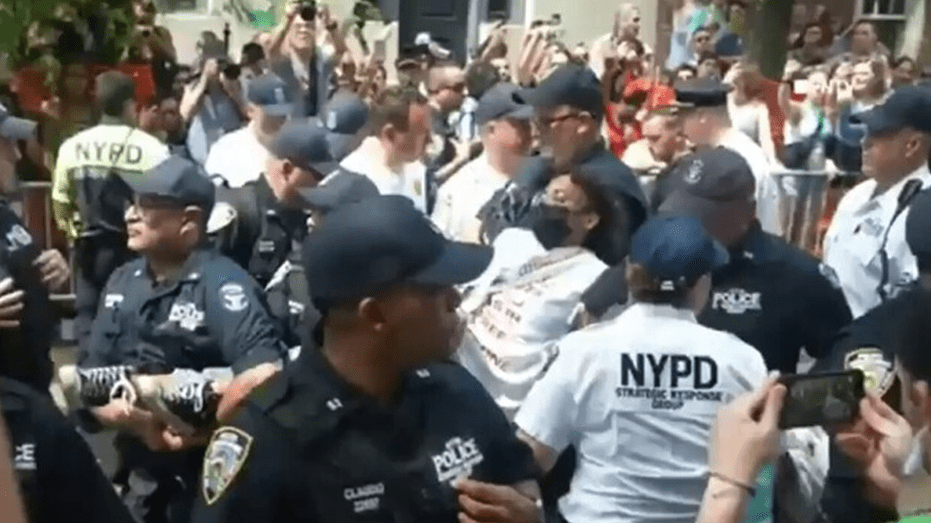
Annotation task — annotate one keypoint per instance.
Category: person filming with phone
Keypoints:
(297, 55)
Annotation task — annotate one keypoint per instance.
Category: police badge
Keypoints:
(225, 456)
(878, 373)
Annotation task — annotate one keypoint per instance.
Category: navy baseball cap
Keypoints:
(344, 117)
(365, 247)
(178, 179)
(337, 189)
(503, 100)
(677, 250)
(13, 128)
(918, 227)
(270, 93)
(907, 106)
(572, 85)
(708, 183)
(700, 92)
(305, 145)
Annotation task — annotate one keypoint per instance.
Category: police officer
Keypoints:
(264, 218)
(569, 110)
(637, 395)
(26, 275)
(865, 244)
(771, 295)
(869, 344)
(373, 426)
(287, 293)
(702, 108)
(180, 305)
(267, 216)
(59, 478)
(89, 196)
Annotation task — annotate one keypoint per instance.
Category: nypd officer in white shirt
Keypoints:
(391, 156)
(865, 244)
(504, 122)
(637, 395)
(241, 156)
(702, 105)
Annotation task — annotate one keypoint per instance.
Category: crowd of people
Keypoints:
(542, 284)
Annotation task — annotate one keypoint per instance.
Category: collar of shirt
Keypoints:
(313, 371)
(889, 199)
(189, 273)
(654, 310)
(487, 174)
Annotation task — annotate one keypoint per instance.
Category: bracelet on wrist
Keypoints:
(750, 490)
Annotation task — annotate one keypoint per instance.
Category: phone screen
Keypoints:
(821, 399)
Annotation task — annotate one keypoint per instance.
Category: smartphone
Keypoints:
(826, 399)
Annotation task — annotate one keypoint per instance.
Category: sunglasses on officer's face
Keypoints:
(152, 202)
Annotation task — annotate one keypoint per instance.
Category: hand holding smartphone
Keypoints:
(825, 399)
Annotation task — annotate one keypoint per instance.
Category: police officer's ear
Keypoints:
(918, 143)
(194, 225)
(374, 313)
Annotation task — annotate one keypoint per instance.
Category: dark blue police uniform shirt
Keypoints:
(24, 351)
(866, 344)
(308, 448)
(213, 316)
(777, 299)
(58, 475)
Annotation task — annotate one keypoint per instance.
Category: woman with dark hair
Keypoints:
(530, 296)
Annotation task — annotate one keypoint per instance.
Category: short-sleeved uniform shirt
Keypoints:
(24, 351)
(854, 241)
(778, 299)
(213, 316)
(307, 447)
(636, 396)
(58, 475)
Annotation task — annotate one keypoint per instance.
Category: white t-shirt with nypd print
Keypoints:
(637, 396)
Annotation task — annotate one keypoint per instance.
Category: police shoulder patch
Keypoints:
(878, 371)
(234, 297)
(229, 447)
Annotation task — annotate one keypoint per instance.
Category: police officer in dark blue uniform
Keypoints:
(569, 111)
(375, 425)
(771, 295)
(27, 321)
(287, 293)
(180, 305)
(258, 224)
(869, 344)
(59, 478)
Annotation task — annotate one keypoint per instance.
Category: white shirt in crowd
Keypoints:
(767, 189)
(512, 324)
(463, 195)
(636, 396)
(238, 157)
(853, 243)
(410, 180)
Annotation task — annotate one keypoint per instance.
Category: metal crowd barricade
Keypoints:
(805, 197)
(36, 210)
